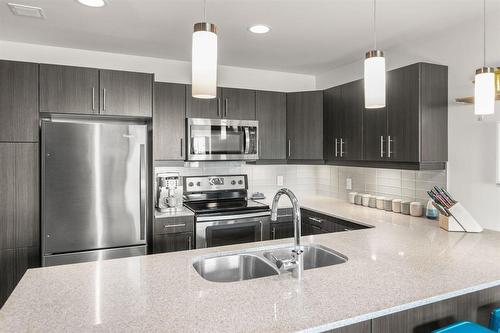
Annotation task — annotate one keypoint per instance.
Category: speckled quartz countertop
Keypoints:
(399, 264)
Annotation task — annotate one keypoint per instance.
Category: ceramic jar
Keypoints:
(396, 205)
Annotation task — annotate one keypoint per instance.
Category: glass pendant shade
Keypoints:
(204, 61)
(484, 91)
(374, 80)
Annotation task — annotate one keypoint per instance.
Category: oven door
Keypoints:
(231, 229)
(222, 139)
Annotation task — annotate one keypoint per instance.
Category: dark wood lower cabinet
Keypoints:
(363, 327)
(173, 242)
(7, 273)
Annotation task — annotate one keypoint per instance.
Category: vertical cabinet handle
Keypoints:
(273, 232)
(182, 146)
(289, 147)
(103, 99)
(259, 148)
(336, 150)
(381, 146)
(190, 246)
(218, 106)
(93, 99)
(226, 107)
(389, 140)
(341, 147)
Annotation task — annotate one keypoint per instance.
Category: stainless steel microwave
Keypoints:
(222, 139)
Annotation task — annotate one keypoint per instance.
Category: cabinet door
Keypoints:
(351, 143)
(66, 89)
(403, 95)
(18, 101)
(203, 108)
(270, 109)
(126, 93)
(173, 242)
(281, 230)
(304, 125)
(7, 273)
(375, 134)
(333, 120)
(238, 104)
(169, 121)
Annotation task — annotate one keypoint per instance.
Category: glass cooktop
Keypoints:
(220, 206)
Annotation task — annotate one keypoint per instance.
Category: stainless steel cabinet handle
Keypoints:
(336, 150)
(273, 232)
(226, 107)
(381, 146)
(166, 226)
(93, 99)
(315, 219)
(260, 148)
(182, 146)
(104, 99)
(289, 148)
(389, 146)
(341, 147)
(190, 246)
(218, 106)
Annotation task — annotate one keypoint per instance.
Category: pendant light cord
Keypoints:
(204, 10)
(484, 33)
(375, 24)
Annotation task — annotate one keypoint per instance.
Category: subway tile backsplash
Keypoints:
(324, 179)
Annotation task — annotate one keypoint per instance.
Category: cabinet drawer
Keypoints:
(173, 225)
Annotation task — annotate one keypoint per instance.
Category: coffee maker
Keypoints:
(168, 191)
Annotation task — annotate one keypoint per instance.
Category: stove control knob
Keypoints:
(240, 182)
(233, 182)
(198, 184)
(190, 184)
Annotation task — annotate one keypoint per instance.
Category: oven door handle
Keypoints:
(247, 140)
(231, 217)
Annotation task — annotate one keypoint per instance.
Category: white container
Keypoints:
(352, 196)
(464, 219)
(366, 199)
(396, 205)
(416, 209)
(380, 202)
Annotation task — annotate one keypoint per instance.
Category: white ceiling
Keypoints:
(307, 36)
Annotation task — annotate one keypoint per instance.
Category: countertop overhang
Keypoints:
(403, 262)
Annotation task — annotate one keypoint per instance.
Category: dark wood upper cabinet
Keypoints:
(238, 104)
(18, 101)
(67, 89)
(375, 134)
(304, 125)
(270, 110)
(169, 121)
(203, 108)
(332, 122)
(126, 93)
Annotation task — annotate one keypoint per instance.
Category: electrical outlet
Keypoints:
(348, 184)
(279, 180)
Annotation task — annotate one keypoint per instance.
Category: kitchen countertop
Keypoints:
(397, 265)
(173, 212)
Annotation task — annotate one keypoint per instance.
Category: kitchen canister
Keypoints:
(396, 205)
(358, 199)
(416, 208)
(352, 197)
(366, 199)
(373, 202)
(380, 202)
(405, 207)
(388, 205)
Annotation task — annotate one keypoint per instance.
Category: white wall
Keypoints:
(472, 148)
(164, 69)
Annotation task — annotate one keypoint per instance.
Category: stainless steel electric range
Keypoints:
(223, 213)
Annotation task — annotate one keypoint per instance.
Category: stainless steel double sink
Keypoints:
(257, 263)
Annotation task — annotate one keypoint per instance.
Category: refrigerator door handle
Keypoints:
(142, 184)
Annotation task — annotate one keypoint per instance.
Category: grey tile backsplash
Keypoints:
(323, 179)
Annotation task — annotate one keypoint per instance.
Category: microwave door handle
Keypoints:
(247, 140)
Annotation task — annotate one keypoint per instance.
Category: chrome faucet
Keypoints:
(295, 263)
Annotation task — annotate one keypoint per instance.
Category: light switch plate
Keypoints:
(279, 180)
(348, 184)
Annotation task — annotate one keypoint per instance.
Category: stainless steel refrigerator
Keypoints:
(94, 189)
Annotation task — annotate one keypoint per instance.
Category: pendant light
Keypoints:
(204, 59)
(374, 71)
(484, 86)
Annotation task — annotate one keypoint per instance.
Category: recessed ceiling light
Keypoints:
(259, 29)
(29, 11)
(93, 3)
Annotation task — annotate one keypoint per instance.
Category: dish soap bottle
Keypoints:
(431, 211)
